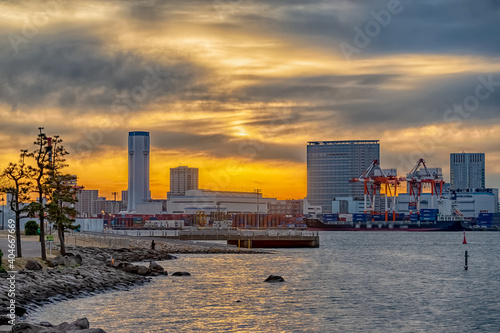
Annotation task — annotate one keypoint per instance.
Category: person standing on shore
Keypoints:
(153, 244)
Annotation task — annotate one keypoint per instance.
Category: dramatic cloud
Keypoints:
(247, 83)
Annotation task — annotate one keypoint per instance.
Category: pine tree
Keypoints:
(61, 192)
(18, 187)
(43, 158)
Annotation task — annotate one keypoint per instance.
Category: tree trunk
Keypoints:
(18, 233)
(60, 234)
(42, 222)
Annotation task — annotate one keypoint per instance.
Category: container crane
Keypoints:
(419, 178)
(373, 179)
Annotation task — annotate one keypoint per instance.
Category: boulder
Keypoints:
(77, 325)
(155, 267)
(69, 259)
(81, 323)
(91, 330)
(33, 265)
(133, 269)
(274, 278)
(4, 320)
(27, 328)
(45, 324)
(181, 274)
(121, 264)
(143, 270)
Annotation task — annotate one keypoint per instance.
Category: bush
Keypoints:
(31, 228)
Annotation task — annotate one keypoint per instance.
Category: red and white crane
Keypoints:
(417, 179)
(373, 179)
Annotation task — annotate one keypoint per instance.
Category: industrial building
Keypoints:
(138, 169)
(182, 179)
(467, 171)
(331, 165)
(287, 207)
(218, 201)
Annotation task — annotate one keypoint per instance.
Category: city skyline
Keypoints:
(237, 89)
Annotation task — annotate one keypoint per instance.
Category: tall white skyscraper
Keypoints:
(183, 179)
(467, 171)
(138, 169)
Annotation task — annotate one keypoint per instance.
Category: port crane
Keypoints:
(374, 178)
(419, 177)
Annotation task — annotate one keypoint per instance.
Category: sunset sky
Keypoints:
(239, 87)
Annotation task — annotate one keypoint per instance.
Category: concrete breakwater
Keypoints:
(143, 242)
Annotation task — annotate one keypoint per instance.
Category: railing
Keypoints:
(79, 239)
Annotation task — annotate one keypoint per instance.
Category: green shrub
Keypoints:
(31, 228)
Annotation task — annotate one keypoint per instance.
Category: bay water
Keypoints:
(356, 281)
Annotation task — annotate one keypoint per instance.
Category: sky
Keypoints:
(238, 87)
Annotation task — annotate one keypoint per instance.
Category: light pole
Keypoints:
(257, 191)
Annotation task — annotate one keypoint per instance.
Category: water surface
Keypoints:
(356, 281)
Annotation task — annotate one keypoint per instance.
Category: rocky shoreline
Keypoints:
(86, 271)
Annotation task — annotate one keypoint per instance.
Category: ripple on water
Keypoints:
(356, 281)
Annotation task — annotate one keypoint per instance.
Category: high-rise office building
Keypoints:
(332, 164)
(138, 169)
(467, 171)
(182, 179)
(86, 200)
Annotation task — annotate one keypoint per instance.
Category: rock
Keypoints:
(181, 274)
(81, 323)
(133, 269)
(91, 330)
(45, 324)
(4, 320)
(120, 264)
(33, 265)
(27, 328)
(274, 278)
(143, 270)
(155, 267)
(69, 259)
(20, 311)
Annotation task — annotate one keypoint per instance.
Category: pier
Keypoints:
(270, 238)
(255, 238)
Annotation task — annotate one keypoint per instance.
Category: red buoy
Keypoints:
(464, 242)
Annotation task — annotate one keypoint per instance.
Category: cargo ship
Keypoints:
(427, 220)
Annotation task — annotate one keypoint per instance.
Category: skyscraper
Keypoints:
(332, 164)
(467, 170)
(183, 179)
(138, 169)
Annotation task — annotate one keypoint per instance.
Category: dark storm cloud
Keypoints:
(362, 100)
(72, 69)
(218, 145)
(449, 26)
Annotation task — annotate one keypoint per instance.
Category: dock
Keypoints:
(255, 238)
(268, 238)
